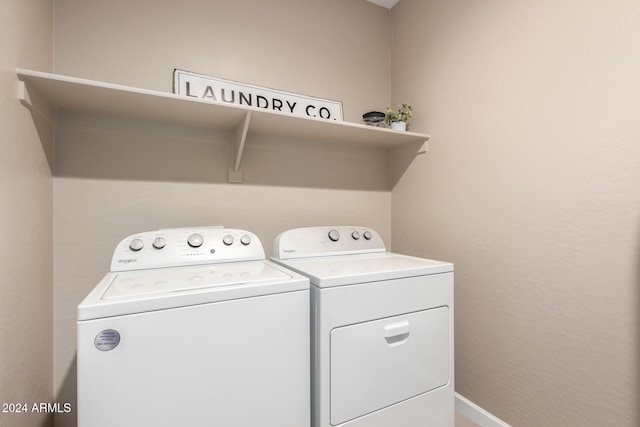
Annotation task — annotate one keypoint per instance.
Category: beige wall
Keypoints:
(115, 177)
(26, 340)
(333, 49)
(530, 184)
(531, 187)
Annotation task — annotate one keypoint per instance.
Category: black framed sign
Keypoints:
(215, 89)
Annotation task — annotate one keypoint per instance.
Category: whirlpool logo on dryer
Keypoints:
(127, 260)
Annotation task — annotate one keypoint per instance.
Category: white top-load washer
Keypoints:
(193, 327)
(382, 329)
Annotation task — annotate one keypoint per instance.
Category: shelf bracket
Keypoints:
(34, 103)
(236, 149)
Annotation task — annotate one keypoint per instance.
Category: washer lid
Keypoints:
(131, 292)
(342, 270)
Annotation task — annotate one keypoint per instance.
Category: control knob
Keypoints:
(367, 235)
(136, 244)
(334, 235)
(159, 242)
(227, 239)
(195, 240)
(355, 235)
(245, 239)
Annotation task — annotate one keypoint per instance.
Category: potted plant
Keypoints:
(398, 119)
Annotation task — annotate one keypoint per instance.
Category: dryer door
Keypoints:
(379, 363)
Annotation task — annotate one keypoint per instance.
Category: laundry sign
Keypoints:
(214, 89)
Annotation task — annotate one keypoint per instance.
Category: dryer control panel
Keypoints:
(174, 247)
(326, 241)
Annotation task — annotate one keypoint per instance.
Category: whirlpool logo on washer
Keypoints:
(289, 251)
(127, 260)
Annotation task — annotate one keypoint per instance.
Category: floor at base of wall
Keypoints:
(462, 421)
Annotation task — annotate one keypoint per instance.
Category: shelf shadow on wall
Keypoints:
(112, 148)
(44, 128)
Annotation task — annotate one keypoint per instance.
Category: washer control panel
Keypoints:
(325, 241)
(176, 247)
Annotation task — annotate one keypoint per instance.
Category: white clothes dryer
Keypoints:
(381, 329)
(193, 327)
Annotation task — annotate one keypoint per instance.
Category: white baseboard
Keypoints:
(477, 414)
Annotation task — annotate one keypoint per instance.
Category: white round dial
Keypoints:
(136, 245)
(245, 239)
(334, 235)
(159, 242)
(367, 235)
(227, 239)
(355, 235)
(195, 240)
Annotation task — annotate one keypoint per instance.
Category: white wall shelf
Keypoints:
(47, 93)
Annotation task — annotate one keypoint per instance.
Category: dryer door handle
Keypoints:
(396, 333)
